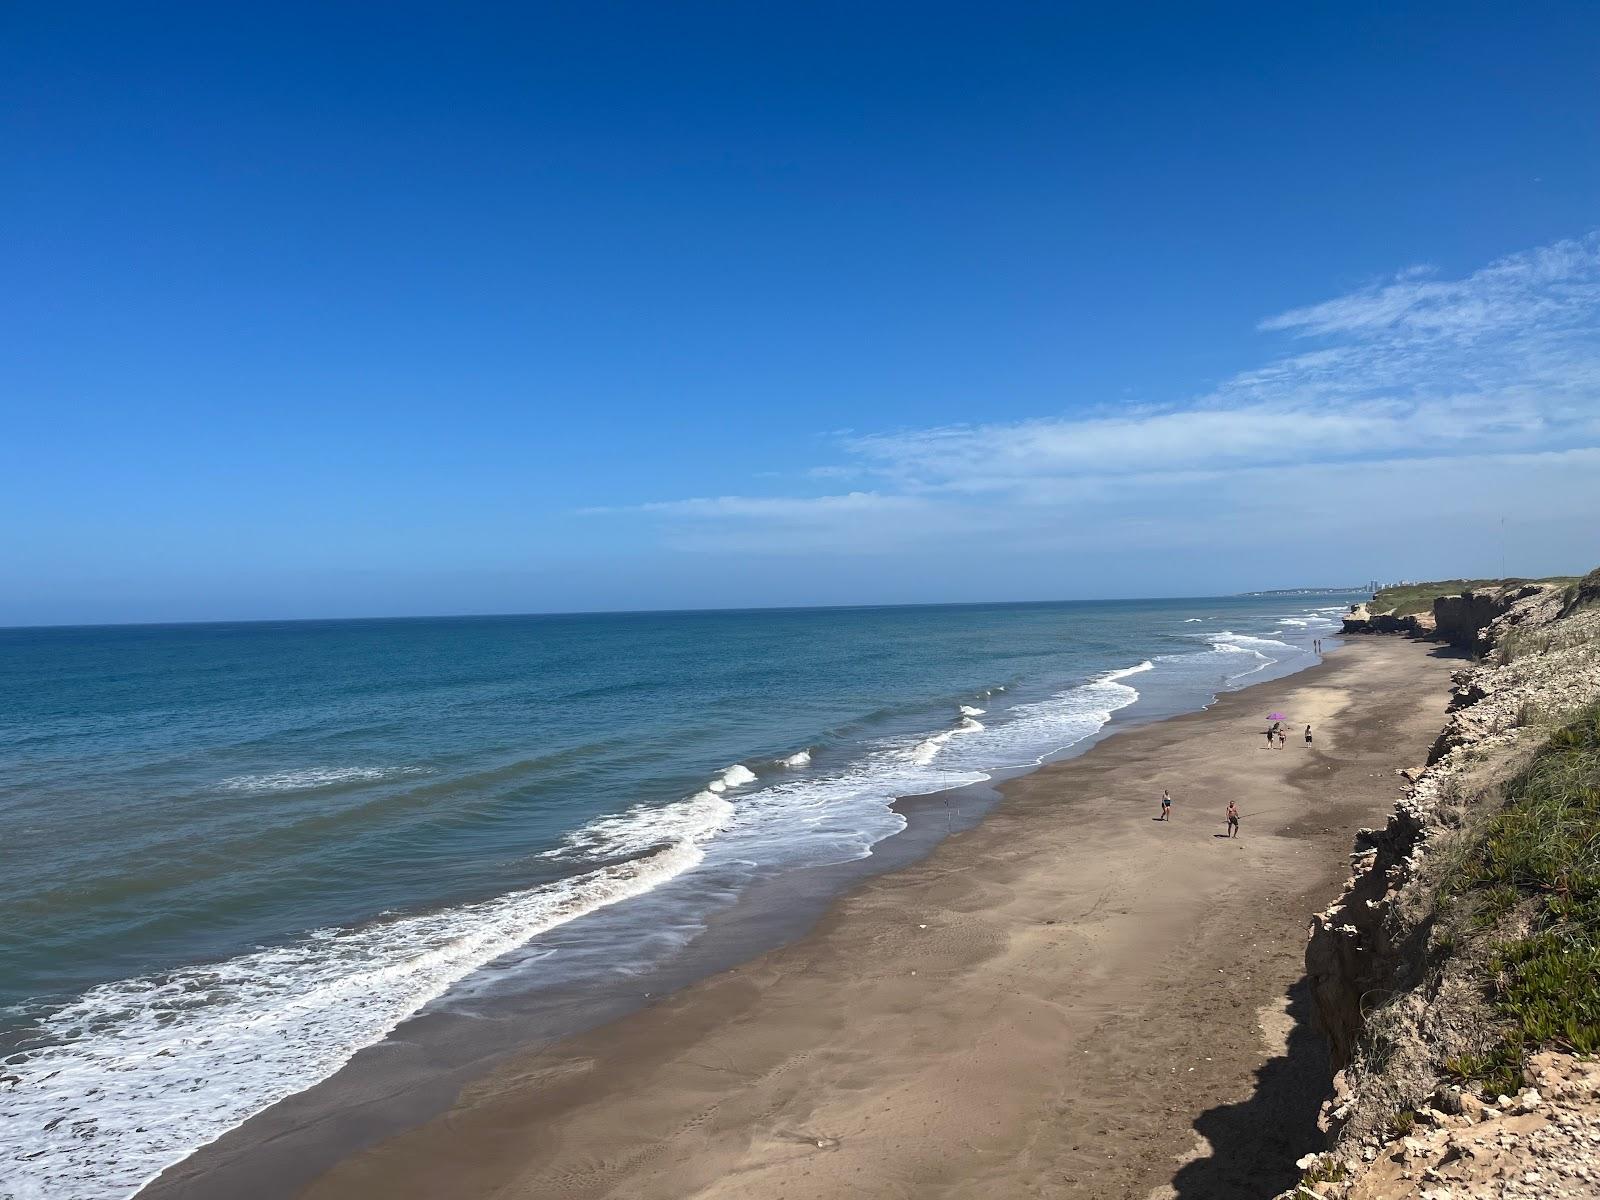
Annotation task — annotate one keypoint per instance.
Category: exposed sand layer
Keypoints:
(1070, 1000)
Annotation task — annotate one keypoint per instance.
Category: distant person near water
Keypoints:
(1166, 806)
(1233, 819)
(1308, 735)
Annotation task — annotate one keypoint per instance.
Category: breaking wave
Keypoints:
(735, 776)
(1146, 665)
(153, 1067)
(150, 1069)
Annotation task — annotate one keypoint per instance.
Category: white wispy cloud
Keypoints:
(1411, 379)
(1548, 286)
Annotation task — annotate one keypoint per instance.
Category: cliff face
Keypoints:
(1582, 594)
(1468, 619)
(1459, 619)
(1476, 619)
(1395, 1000)
(1362, 619)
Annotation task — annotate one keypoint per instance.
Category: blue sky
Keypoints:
(320, 310)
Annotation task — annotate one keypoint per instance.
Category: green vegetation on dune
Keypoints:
(1531, 885)
(1407, 599)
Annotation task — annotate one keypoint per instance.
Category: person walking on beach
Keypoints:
(1283, 738)
(1308, 735)
(1233, 819)
(1166, 806)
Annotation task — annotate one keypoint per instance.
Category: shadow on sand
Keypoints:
(1254, 1144)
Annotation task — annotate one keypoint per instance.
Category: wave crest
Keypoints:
(307, 778)
(132, 1055)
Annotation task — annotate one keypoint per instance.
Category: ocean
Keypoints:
(234, 854)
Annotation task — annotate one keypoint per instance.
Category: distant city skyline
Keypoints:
(326, 311)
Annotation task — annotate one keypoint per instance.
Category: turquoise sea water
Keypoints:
(234, 854)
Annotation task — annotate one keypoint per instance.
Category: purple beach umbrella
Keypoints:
(1276, 717)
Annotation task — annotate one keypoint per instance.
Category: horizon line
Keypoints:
(640, 612)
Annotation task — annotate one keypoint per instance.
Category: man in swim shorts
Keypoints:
(1233, 819)
(1166, 806)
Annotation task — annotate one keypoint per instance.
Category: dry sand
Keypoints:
(1071, 1000)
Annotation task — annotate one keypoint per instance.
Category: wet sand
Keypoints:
(1071, 999)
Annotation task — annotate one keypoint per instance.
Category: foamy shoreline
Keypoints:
(1034, 931)
(697, 966)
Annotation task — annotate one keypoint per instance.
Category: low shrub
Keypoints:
(1538, 857)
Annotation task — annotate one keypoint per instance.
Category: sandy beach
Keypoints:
(1072, 999)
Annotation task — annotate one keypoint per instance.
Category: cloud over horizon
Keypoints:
(1406, 389)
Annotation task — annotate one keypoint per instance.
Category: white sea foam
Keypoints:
(313, 777)
(644, 828)
(144, 1071)
(738, 775)
(923, 752)
(971, 710)
(839, 815)
(1193, 620)
(181, 1058)
(1034, 731)
(1271, 647)
(1265, 650)
(1113, 676)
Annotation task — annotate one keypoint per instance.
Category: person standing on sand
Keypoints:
(1283, 738)
(1166, 806)
(1308, 735)
(1233, 819)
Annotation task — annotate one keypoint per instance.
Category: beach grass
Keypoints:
(1531, 885)
(1408, 599)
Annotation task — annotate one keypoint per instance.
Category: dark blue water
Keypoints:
(234, 854)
